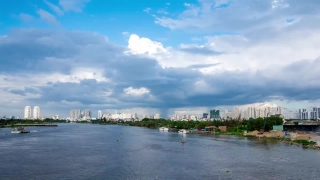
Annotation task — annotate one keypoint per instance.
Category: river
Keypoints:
(83, 151)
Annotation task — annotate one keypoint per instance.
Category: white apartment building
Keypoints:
(157, 116)
(75, 114)
(87, 114)
(99, 114)
(27, 112)
(36, 112)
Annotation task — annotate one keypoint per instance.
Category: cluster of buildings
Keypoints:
(77, 114)
(126, 116)
(246, 113)
(28, 113)
(252, 113)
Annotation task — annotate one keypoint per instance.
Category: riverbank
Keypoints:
(236, 128)
(18, 125)
(4, 123)
(302, 139)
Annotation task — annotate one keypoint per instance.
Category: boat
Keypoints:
(182, 131)
(164, 129)
(15, 131)
(22, 130)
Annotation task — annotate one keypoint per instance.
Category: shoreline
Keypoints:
(286, 140)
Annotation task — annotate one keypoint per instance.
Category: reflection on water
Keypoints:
(79, 151)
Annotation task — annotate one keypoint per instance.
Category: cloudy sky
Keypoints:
(157, 56)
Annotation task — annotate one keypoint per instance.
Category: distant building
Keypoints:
(36, 112)
(303, 114)
(237, 115)
(27, 112)
(87, 114)
(75, 114)
(157, 116)
(99, 114)
(314, 113)
(214, 114)
(205, 115)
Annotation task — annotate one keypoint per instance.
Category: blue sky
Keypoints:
(157, 56)
(109, 18)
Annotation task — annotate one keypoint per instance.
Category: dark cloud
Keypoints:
(200, 50)
(169, 87)
(24, 91)
(196, 66)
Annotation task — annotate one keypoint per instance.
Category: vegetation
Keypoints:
(14, 122)
(304, 142)
(234, 126)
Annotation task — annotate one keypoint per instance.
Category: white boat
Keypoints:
(182, 131)
(163, 129)
(15, 131)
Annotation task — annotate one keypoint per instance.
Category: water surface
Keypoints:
(82, 151)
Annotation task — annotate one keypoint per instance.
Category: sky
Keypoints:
(158, 56)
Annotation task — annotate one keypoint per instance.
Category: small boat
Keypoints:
(163, 129)
(15, 131)
(23, 130)
(182, 131)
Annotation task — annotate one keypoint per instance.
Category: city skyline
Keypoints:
(157, 56)
(245, 112)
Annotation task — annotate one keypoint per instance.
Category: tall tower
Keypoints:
(87, 113)
(27, 112)
(99, 114)
(236, 113)
(36, 112)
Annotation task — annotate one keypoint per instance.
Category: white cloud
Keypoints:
(49, 18)
(163, 11)
(73, 5)
(125, 33)
(279, 4)
(136, 92)
(26, 17)
(139, 45)
(147, 10)
(55, 8)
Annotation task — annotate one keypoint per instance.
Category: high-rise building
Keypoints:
(27, 112)
(237, 113)
(36, 112)
(75, 114)
(214, 114)
(303, 114)
(157, 116)
(314, 113)
(205, 115)
(87, 114)
(99, 114)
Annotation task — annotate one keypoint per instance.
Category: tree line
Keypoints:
(12, 122)
(232, 125)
